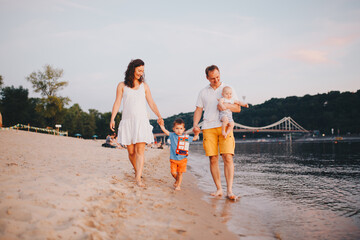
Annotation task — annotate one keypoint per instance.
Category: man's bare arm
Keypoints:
(233, 107)
(197, 117)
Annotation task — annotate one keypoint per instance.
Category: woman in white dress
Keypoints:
(134, 128)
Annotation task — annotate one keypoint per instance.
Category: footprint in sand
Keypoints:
(17, 214)
(217, 232)
(12, 164)
(180, 231)
(71, 194)
(115, 194)
(189, 212)
(90, 223)
(114, 180)
(64, 224)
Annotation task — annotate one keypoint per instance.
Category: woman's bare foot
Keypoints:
(175, 184)
(218, 193)
(177, 188)
(140, 183)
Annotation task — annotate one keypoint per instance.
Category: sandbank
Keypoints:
(54, 187)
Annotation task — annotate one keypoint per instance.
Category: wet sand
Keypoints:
(54, 187)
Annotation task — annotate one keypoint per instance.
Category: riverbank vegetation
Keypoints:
(322, 112)
(332, 112)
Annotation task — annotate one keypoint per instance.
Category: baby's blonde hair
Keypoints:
(226, 88)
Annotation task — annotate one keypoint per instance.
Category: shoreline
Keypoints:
(61, 187)
(278, 188)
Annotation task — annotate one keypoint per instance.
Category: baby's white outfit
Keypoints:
(227, 113)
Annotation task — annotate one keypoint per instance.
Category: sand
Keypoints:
(54, 187)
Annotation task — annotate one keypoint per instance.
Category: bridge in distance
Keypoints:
(285, 125)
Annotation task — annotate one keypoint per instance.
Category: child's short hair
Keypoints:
(178, 121)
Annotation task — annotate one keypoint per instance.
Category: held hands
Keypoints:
(160, 121)
(196, 130)
(162, 126)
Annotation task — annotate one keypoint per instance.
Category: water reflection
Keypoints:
(321, 175)
(291, 188)
(222, 208)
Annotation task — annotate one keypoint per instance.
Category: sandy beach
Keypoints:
(54, 187)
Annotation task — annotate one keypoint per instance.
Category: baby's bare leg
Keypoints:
(230, 128)
(225, 122)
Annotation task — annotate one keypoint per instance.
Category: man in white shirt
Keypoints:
(213, 140)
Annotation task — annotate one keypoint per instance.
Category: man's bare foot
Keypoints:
(218, 193)
(232, 197)
(177, 188)
(175, 184)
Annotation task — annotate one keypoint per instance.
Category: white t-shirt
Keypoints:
(208, 101)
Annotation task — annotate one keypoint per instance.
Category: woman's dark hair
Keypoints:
(129, 74)
(210, 69)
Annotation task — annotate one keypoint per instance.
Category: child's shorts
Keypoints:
(178, 165)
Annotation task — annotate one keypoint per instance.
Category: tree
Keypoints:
(52, 109)
(1, 83)
(87, 124)
(102, 122)
(16, 107)
(47, 84)
(72, 120)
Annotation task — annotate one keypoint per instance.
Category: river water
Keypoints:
(288, 190)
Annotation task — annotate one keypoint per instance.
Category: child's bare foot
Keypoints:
(218, 193)
(224, 134)
(177, 188)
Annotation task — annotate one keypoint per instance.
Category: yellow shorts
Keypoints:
(178, 165)
(215, 141)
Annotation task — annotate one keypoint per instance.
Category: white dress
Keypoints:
(134, 126)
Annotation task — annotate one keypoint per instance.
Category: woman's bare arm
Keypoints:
(117, 103)
(152, 104)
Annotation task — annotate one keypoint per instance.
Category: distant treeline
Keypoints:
(16, 107)
(323, 112)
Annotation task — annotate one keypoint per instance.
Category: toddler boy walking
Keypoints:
(179, 146)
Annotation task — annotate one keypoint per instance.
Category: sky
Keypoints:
(264, 49)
